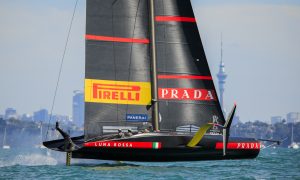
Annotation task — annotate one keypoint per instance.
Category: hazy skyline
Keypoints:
(261, 45)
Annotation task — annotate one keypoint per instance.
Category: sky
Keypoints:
(261, 46)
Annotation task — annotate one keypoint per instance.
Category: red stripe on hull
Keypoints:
(184, 77)
(175, 18)
(116, 39)
(240, 145)
(120, 144)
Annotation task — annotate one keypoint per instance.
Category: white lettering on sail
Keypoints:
(197, 94)
(209, 95)
(187, 94)
(165, 92)
(174, 93)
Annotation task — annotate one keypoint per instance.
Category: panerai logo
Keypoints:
(117, 92)
(187, 94)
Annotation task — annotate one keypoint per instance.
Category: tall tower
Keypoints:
(222, 77)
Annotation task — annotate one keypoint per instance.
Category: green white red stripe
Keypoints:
(156, 145)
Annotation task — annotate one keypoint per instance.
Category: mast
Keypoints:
(155, 115)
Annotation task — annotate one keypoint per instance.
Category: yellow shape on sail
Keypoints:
(117, 92)
(199, 135)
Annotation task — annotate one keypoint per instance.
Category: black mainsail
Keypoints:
(129, 45)
(117, 51)
(186, 89)
(117, 64)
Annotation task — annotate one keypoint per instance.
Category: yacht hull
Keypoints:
(160, 147)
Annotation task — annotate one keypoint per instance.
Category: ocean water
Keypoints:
(279, 163)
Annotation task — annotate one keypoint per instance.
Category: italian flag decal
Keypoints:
(156, 145)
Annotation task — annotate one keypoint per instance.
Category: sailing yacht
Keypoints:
(5, 146)
(149, 93)
(293, 144)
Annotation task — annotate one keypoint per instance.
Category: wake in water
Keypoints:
(29, 160)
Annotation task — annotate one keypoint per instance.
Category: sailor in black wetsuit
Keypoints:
(120, 133)
(129, 133)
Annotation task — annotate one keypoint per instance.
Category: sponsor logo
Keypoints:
(137, 117)
(117, 92)
(215, 129)
(187, 94)
(215, 121)
(121, 144)
(239, 145)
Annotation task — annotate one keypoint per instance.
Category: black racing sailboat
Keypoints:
(149, 93)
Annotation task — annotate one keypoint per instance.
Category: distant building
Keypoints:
(10, 113)
(26, 117)
(41, 115)
(2, 122)
(276, 119)
(61, 118)
(236, 120)
(293, 117)
(78, 108)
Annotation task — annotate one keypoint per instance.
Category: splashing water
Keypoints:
(28, 160)
(35, 160)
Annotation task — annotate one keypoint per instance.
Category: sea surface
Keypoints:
(279, 163)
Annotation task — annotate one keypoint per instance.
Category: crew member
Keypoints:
(120, 133)
(149, 129)
(129, 133)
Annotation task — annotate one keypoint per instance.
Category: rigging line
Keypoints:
(273, 144)
(61, 65)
